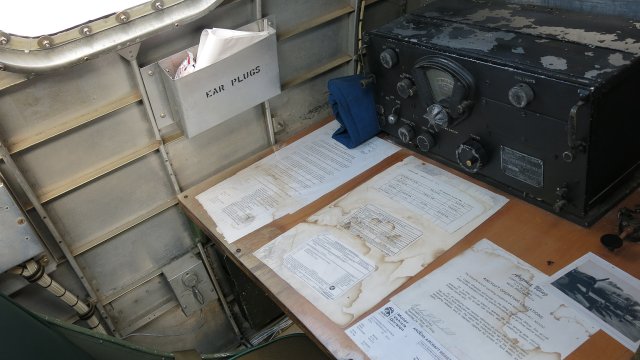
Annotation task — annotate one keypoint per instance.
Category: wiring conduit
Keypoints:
(33, 272)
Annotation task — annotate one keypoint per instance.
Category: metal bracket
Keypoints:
(130, 53)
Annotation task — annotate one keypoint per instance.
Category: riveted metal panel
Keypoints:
(111, 200)
(112, 223)
(148, 246)
(196, 159)
(138, 305)
(18, 242)
(302, 52)
(294, 14)
(43, 102)
(57, 161)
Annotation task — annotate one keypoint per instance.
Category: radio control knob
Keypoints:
(388, 58)
(521, 95)
(394, 116)
(405, 133)
(406, 88)
(425, 142)
(437, 116)
(471, 155)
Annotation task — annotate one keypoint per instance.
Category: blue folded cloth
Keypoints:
(354, 108)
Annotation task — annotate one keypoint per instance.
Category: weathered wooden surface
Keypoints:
(544, 240)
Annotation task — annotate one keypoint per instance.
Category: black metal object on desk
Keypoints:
(535, 101)
(628, 229)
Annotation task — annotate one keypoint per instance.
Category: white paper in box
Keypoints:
(215, 93)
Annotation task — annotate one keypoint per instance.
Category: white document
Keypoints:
(486, 304)
(328, 266)
(443, 204)
(395, 235)
(387, 233)
(607, 295)
(217, 44)
(288, 180)
(390, 334)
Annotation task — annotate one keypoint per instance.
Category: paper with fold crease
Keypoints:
(288, 180)
(350, 255)
(487, 304)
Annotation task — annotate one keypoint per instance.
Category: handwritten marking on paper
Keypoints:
(487, 298)
(390, 333)
(380, 229)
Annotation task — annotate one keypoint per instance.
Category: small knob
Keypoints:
(425, 142)
(406, 88)
(394, 116)
(611, 241)
(437, 116)
(521, 95)
(388, 58)
(471, 155)
(405, 133)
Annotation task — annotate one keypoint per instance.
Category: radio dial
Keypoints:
(388, 58)
(406, 88)
(405, 133)
(471, 155)
(425, 142)
(521, 95)
(437, 116)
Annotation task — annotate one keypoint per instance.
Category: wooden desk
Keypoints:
(544, 240)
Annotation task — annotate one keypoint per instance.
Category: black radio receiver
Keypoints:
(541, 103)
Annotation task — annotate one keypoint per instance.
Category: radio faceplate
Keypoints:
(515, 109)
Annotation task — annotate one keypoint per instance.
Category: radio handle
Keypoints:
(573, 124)
(572, 140)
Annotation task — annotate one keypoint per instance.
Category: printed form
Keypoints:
(485, 304)
(350, 255)
(288, 180)
(390, 333)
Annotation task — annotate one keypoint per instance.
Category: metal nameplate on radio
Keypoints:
(522, 167)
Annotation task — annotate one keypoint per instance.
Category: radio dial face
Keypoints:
(443, 83)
